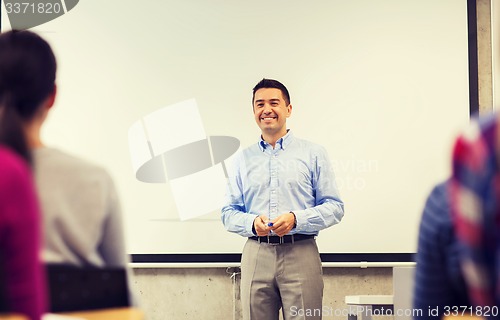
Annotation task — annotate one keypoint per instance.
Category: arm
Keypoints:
(234, 215)
(328, 209)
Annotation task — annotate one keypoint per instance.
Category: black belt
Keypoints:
(285, 239)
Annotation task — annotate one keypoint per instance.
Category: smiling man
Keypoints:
(281, 193)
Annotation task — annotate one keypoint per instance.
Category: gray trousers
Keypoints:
(287, 276)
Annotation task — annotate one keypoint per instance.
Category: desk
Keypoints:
(364, 306)
(109, 314)
(12, 317)
(464, 317)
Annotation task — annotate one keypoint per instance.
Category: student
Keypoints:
(439, 282)
(475, 203)
(80, 208)
(22, 282)
(282, 193)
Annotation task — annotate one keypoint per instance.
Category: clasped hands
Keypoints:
(280, 225)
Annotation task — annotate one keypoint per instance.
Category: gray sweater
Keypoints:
(81, 214)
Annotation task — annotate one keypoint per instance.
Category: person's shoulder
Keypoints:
(440, 191)
(62, 159)
(308, 145)
(250, 150)
(10, 158)
(51, 163)
(298, 140)
(437, 210)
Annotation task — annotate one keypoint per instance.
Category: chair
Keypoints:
(86, 288)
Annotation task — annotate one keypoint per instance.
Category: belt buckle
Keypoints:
(292, 239)
(274, 243)
(268, 240)
(271, 243)
(280, 242)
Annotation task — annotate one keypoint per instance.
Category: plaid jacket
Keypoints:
(475, 208)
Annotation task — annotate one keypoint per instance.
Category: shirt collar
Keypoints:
(282, 142)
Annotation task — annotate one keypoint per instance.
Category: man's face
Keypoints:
(270, 111)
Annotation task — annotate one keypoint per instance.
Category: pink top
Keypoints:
(22, 278)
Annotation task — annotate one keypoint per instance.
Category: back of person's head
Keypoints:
(270, 83)
(27, 78)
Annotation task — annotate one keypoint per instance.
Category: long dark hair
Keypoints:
(27, 77)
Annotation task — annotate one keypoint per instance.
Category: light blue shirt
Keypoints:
(294, 176)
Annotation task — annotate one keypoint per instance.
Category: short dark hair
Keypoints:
(270, 83)
(27, 77)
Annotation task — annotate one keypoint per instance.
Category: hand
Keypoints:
(283, 224)
(260, 226)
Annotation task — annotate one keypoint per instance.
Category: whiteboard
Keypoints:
(383, 85)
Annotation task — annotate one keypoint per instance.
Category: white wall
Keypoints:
(382, 84)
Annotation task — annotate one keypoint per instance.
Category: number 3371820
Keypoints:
(33, 8)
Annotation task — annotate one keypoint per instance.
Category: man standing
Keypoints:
(281, 192)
